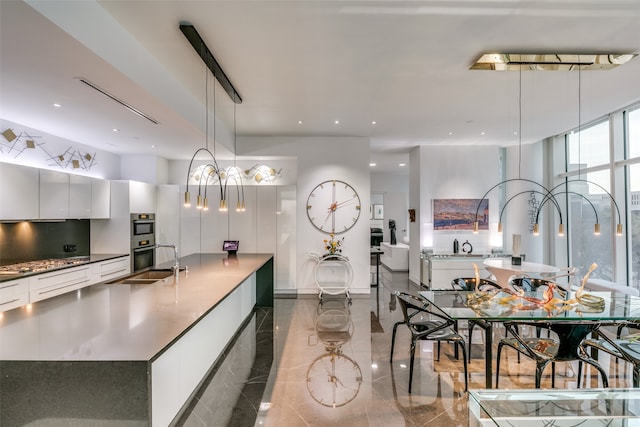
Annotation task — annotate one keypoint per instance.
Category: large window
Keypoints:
(589, 147)
(595, 176)
(589, 202)
(634, 196)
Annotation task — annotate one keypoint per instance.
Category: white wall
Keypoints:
(321, 159)
(453, 172)
(517, 212)
(105, 165)
(144, 168)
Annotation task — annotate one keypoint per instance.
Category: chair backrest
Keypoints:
(469, 284)
(411, 305)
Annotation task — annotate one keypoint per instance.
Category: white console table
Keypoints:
(395, 257)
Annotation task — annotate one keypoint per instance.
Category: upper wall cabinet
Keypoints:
(80, 196)
(18, 192)
(65, 196)
(54, 195)
(100, 198)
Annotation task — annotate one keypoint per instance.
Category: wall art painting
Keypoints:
(460, 214)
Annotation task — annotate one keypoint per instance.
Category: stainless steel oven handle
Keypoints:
(144, 249)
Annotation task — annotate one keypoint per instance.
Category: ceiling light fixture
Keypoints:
(118, 100)
(57, 105)
(210, 169)
(550, 61)
(548, 194)
(337, 122)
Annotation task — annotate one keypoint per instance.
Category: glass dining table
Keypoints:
(544, 408)
(460, 306)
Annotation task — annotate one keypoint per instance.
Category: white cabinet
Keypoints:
(64, 196)
(48, 285)
(54, 195)
(444, 270)
(100, 198)
(80, 195)
(13, 294)
(19, 192)
(395, 257)
(110, 269)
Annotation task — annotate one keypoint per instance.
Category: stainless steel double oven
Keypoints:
(143, 241)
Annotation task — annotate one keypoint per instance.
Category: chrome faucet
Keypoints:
(176, 265)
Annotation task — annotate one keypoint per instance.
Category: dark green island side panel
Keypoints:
(264, 285)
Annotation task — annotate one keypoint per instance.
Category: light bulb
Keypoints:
(619, 230)
(187, 199)
(596, 229)
(476, 226)
(205, 206)
(536, 229)
(561, 230)
(199, 202)
(499, 227)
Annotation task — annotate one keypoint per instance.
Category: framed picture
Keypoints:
(378, 212)
(460, 214)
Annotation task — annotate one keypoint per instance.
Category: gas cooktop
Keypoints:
(41, 265)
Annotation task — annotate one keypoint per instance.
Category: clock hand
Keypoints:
(341, 204)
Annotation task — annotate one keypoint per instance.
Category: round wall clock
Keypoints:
(333, 207)
(334, 379)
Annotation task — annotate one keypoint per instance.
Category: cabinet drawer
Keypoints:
(56, 283)
(113, 268)
(14, 294)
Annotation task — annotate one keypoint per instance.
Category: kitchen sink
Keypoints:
(145, 277)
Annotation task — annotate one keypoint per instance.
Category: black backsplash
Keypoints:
(30, 241)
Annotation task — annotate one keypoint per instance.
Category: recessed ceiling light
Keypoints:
(481, 133)
(153, 146)
(374, 122)
(450, 133)
(115, 130)
(372, 164)
(402, 165)
(299, 122)
(337, 122)
(57, 105)
(515, 133)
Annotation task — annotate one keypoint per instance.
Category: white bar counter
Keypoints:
(119, 354)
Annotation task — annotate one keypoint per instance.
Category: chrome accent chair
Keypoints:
(469, 284)
(425, 324)
(626, 348)
(566, 348)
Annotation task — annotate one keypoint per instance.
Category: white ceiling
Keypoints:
(402, 64)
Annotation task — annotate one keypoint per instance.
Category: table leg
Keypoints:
(377, 269)
(488, 355)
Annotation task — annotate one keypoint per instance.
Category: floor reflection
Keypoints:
(327, 364)
(334, 378)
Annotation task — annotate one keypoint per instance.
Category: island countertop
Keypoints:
(111, 321)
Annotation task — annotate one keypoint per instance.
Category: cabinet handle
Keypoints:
(109, 273)
(61, 287)
(9, 302)
(9, 286)
(62, 274)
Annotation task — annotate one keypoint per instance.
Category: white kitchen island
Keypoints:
(126, 355)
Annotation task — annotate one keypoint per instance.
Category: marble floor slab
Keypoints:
(312, 363)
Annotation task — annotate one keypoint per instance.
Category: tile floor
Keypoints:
(276, 372)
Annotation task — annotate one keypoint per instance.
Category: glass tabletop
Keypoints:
(459, 305)
(585, 408)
